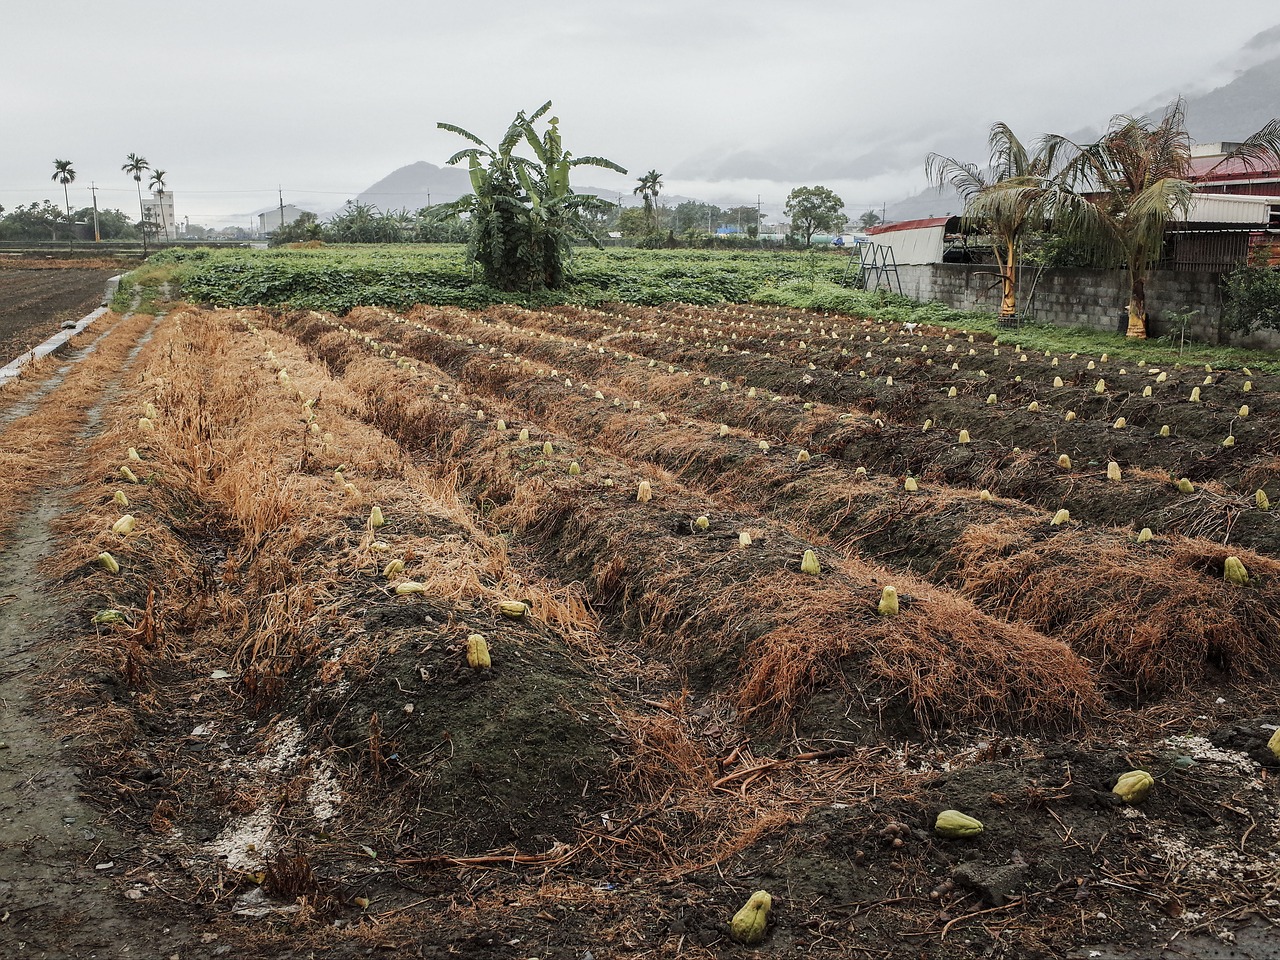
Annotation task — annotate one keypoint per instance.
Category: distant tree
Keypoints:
(692, 215)
(112, 224)
(524, 214)
(814, 208)
(305, 228)
(356, 222)
(157, 184)
(135, 166)
(633, 222)
(436, 224)
(870, 219)
(745, 218)
(35, 221)
(396, 226)
(65, 175)
(647, 189)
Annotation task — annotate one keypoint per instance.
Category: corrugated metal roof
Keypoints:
(1231, 208)
(911, 225)
(1201, 168)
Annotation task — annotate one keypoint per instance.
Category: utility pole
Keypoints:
(281, 190)
(93, 188)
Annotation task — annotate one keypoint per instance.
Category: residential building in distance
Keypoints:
(157, 212)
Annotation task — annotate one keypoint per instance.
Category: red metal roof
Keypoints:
(909, 225)
(1231, 170)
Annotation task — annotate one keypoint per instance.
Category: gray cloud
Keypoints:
(731, 97)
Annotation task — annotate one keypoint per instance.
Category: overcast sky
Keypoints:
(727, 98)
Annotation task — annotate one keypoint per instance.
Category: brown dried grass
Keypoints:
(820, 499)
(1155, 617)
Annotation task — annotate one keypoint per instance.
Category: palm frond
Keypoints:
(514, 134)
(1008, 155)
(1260, 147)
(530, 136)
(965, 178)
(467, 154)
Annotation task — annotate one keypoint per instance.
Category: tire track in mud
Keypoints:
(58, 872)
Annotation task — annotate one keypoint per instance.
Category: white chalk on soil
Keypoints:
(246, 843)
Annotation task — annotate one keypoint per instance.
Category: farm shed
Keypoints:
(915, 241)
(1222, 231)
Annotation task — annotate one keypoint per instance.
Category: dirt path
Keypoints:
(61, 863)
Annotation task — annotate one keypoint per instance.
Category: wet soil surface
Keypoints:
(34, 303)
(61, 860)
(70, 877)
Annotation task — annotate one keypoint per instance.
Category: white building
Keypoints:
(270, 220)
(157, 211)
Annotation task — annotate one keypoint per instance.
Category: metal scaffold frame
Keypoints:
(876, 265)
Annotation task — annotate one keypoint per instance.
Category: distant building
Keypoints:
(269, 221)
(1211, 175)
(157, 213)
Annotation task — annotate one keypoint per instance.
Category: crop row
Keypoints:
(1182, 625)
(1045, 478)
(671, 697)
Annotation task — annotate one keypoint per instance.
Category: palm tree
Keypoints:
(649, 186)
(136, 166)
(157, 184)
(64, 175)
(869, 219)
(1121, 191)
(1007, 199)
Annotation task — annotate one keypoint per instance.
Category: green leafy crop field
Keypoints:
(338, 278)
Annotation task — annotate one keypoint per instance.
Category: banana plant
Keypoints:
(523, 213)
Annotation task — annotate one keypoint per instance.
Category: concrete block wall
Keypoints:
(1075, 297)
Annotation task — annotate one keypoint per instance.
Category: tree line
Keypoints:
(41, 221)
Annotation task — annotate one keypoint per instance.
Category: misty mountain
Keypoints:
(1236, 107)
(421, 184)
(416, 186)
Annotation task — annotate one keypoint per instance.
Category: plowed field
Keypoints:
(558, 633)
(35, 298)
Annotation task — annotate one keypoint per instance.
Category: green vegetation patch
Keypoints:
(338, 278)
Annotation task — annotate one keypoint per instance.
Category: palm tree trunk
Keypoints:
(1137, 302)
(142, 217)
(71, 227)
(1008, 280)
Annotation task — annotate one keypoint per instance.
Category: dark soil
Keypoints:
(34, 303)
(356, 789)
